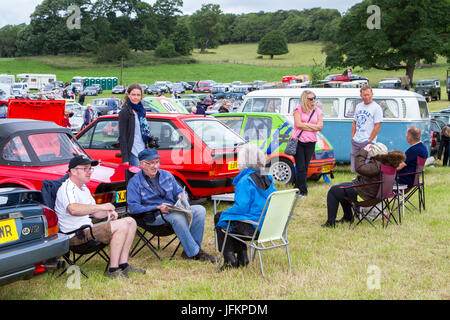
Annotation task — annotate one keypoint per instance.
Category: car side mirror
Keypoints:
(115, 145)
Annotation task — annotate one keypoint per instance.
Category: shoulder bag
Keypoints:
(291, 146)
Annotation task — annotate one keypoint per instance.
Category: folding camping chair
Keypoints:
(271, 229)
(385, 196)
(93, 247)
(163, 230)
(418, 186)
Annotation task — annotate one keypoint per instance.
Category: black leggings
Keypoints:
(337, 195)
(302, 158)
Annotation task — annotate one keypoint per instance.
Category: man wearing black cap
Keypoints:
(75, 206)
(148, 194)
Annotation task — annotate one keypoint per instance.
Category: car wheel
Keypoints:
(282, 170)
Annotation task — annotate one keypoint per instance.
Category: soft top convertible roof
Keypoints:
(10, 127)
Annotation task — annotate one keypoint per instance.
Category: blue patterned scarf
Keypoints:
(145, 131)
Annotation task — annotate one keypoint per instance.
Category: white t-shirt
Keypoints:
(366, 115)
(138, 144)
(69, 193)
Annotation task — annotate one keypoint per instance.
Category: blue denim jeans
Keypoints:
(190, 238)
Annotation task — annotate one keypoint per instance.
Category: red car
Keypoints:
(203, 86)
(32, 151)
(200, 151)
(337, 77)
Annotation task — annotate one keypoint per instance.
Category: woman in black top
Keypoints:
(134, 132)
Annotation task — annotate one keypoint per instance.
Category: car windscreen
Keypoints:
(424, 84)
(215, 134)
(54, 146)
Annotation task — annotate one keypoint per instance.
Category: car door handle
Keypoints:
(118, 155)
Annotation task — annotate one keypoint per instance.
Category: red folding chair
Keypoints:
(385, 196)
(418, 186)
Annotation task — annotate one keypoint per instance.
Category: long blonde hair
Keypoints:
(446, 131)
(304, 98)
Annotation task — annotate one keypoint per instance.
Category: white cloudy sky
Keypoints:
(18, 11)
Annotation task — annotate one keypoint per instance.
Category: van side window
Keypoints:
(293, 102)
(389, 106)
(263, 105)
(423, 109)
(329, 106)
(350, 105)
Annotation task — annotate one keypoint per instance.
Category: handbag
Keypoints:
(291, 146)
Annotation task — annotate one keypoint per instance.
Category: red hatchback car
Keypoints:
(200, 151)
(32, 151)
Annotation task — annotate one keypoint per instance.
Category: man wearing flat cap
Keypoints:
(148, 194)
(75, 206)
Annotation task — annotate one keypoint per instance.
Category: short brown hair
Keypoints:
(365, 87)
(414, 133)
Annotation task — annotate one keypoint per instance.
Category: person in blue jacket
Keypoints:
(413, 136)
(148, 194)
(252, 188)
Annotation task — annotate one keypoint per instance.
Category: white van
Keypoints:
(20, 88)
(36, 80)
(400, 109)
(7, 79)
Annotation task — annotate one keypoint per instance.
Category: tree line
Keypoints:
(110, 28)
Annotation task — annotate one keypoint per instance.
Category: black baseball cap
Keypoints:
(81, 160)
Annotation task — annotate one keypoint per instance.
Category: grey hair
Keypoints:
(250, 156)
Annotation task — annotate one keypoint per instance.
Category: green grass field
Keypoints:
(412, 260)
(227, 63)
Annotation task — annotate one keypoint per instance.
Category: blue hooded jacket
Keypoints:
(249, 199)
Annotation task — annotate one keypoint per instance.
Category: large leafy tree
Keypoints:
(182, 38)
(8, 38)
(410, 31)
(273, 43)
(167, 12)
(207, 27)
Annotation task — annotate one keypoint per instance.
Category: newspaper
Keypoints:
(182, 206)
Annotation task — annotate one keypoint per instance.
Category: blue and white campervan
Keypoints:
(401, 109)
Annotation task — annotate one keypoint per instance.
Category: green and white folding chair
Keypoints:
(278, 211)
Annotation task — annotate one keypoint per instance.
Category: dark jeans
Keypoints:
(445, 153)
(238, 227)
(302, 158)
(337, 195)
